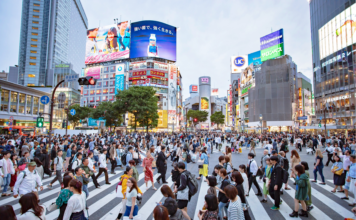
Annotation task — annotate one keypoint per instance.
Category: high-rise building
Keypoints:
(52, 32)
(334, 57)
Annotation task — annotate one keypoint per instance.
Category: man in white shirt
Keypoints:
(269, 147)
(26, 181)
(299, 141)
(252, 169)
(102, 166)
(77, 161)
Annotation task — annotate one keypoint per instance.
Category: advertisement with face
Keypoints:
(172, 93)
(93, 71)
(338, 33)
(238, 63)
(108, 43)
(153, 39)
(246, 76)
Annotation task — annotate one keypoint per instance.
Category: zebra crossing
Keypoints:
(104, 205)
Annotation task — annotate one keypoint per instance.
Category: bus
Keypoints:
(20, 130)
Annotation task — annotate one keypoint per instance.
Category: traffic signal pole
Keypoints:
(51, 113)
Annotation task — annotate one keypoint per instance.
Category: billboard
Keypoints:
(153, 39)
(272, 45)
(193, 88)
(238, 63)
(108, 43)
(338, 33)
(93, 71)
(247, 77)
(172, 94)
(255, 59)
(162, 119)
(214, 91)
(119, 82)
(204, 103)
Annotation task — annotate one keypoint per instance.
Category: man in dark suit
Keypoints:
(275, 182)
(161, 164)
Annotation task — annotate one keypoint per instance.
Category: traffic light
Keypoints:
(195, 119)
(39, 122)
(89, 80)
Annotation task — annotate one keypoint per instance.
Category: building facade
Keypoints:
(334, 60)
(52, 32)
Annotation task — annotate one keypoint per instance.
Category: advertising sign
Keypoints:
(214, 91)
(247, 77)
(119, 83)
(108, 43)
(193, 88)
(153, 39)
(204, 80)
(238, 63)
(255, 59)
(272, 52)
(120, 69)
(172, 94)
(162, 119)
(271, 39)
(204, 103)
(93, 71)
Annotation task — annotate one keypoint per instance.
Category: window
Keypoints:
(112, 90)
(33, 58)
(29, 104)
(105, 91)
(35, 16)
(36, 10)
(33, 45)
(37, 5)
(91, 99)
(106, 76)
(112, 98)
(33, 33)
(33, 51)
(35, 105)
(98, 99)
(112, 69)
(105, 98)
(4, 100)
(22, 103)
(32, 64)
(86, 92)
(106, 69)
(112, 75)
(98, 91)
(31, 75)
(35, 22)
(112, 83)
(35, 28)
(91, 92)
(105, 83)
(34, 39)
(13, 102)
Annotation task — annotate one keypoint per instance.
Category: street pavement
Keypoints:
(104, 205)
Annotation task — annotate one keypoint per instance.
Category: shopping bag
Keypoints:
(240, 150)
(52, 207)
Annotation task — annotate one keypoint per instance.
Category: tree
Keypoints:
(200, 116)
(141, 102)
(81, 113)
(110, 112)
(217, 118)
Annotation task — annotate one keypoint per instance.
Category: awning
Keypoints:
(280, 123)
(254, 124)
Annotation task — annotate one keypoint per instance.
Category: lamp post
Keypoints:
(261, 117)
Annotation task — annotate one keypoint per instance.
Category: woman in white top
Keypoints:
(76, 203)
(243, 171)
(131, 206)
(235, 210)
(30, 209)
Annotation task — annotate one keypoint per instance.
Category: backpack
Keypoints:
(123, 159)
(192, 183)
(24, 174)
(287, 148)
(71, 165)
(189, 158)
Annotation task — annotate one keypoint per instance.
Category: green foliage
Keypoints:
(201, 116)
(218, 118)
(81, 113)
(141, 102)
(110, 112)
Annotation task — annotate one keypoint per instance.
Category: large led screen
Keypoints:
(338, 33)
(272, 45)
(108, 43)
(153, 39)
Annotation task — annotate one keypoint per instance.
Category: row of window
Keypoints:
(99, 99)
(98, 91)
(20, 103)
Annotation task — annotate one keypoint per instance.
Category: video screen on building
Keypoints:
(204, 103)
(338, 33)
(108, 43)
(153, 39)
(272, 45)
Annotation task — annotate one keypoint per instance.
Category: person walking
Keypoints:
(147, 167)
(77, 202)
(253, 146)
(90, 172)
(235, 210)
(309, 201)
(63, 197)
(330, 151)
(338, 171)
(162, 164)
(223, 199)
(7, 169)
(102, 166)
(131, 205)
(204, 170)
(266, 177)
(252, 171)
(30, 209)
(318, 167)
(182, 190)
(58, 166)
(276, 182)
(26, 181)
(113, 156)
(301, 193)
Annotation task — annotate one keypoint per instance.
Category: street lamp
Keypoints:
(261, 117)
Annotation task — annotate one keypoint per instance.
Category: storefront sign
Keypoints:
(338, 98)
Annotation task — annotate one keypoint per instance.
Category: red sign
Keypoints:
(195, 88)
(139, 73)
(173, 71)
(157, 73)
(11, 118)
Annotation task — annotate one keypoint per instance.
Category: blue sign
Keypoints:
(10, 128)
(44, 100)
(239, 61)
(272, 39)
(11, 123)
(321, 118)
(71, 78)
(153, 39)
(95, 122)
(303, 118)
(72, 112)
(119, 82)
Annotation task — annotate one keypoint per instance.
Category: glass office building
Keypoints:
(334, 60)
(52, 32)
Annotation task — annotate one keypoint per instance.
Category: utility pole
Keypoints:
(67, 111)
(51, 113)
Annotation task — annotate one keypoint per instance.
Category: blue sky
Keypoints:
(210, 31)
